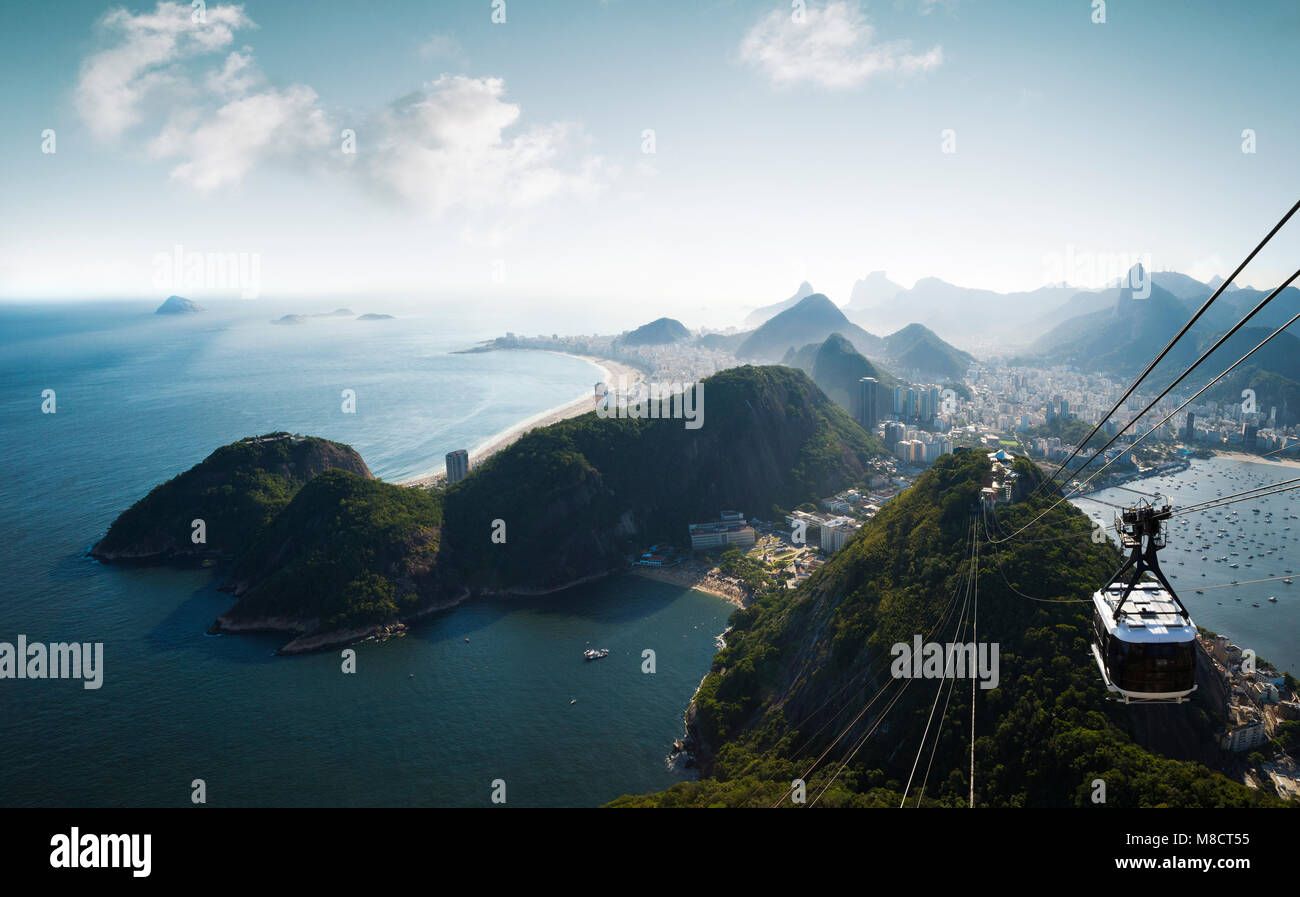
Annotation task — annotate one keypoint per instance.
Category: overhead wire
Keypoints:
(1179, 335)
(1168, 389)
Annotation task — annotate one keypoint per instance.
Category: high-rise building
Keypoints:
(457, 466)
(909, 412)
(1249, 435)
(898, 402)
(1190, 435)
(895, 432)
(867, 397)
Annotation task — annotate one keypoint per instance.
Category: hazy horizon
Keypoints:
(690, 160)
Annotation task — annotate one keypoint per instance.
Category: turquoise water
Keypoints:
(427, 719)
(1235, 532)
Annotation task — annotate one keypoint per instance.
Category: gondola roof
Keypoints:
(1150, 615)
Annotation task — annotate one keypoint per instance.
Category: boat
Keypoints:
(1272, 598)
(595, 654)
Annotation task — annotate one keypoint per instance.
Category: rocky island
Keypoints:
(177, 305)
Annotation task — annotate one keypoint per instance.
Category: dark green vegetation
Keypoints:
(579, 496)
(311, 541)
(734, 562)
(315, 546)
(236, 491)
(800, 666)
(346, 552)
(657, 333)
(836, 367)
(811, 320)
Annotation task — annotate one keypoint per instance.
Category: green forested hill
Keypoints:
(236, 491)
(798, 668)
(576, 497)
(573, 500)
(918, 348)
(836, 367)
(345, 552)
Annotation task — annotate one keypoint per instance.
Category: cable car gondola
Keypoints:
(1145, 641)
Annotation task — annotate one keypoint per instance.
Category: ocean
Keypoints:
(428, 719)
(1263, 545)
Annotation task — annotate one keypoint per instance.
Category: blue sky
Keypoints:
(504, 162)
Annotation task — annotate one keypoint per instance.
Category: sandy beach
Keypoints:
(1281, 459)
(611, 372)
(693, 576)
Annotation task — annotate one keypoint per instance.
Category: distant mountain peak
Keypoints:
(759, 315)
(657, 333)
(818, 300)
(872, 291)
(812, 319)
(916, 347)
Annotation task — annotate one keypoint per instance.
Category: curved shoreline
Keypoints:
(609, 370)
(701, 582)
(1243, 457)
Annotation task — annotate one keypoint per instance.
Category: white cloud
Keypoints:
(236, 77)
(833, 46)
(446, 146)
(218, 125)
(273, 124)
(115, 82)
